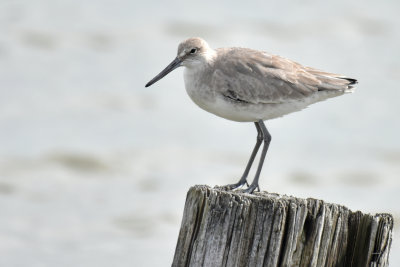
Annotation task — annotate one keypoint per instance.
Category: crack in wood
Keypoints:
(221, 228)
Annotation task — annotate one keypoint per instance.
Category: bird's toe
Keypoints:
(230, 187)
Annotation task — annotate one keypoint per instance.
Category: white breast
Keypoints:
(198, 91)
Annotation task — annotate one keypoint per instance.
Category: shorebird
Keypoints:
(246, 85)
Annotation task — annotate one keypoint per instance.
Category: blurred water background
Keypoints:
(94, 168)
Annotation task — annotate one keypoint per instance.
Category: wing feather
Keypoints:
(255, 77)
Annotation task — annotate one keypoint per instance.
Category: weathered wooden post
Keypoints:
(221, 228)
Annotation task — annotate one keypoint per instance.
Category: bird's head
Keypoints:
(192, 53)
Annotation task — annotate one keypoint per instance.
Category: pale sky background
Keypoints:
(94, 168)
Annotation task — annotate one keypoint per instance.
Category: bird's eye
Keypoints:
(193, 51)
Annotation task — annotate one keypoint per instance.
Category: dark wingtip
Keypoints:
(147, 84)
(351, 80)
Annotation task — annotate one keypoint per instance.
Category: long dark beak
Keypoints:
(173, 65)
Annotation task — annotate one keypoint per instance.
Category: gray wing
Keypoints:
(257, 77)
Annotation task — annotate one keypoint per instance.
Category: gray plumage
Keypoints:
(258, 77)
(246, 85)
(243, 84)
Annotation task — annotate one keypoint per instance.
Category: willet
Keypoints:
(246, 85)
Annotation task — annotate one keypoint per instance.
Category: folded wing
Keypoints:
(251, 76)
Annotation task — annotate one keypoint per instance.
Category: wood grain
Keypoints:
(221, 228)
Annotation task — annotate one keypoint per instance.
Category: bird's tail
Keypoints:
(351, 85)
(332, 81)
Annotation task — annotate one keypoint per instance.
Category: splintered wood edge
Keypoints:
(377, 241)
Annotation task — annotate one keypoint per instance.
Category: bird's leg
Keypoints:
(243, 180)
(267, 140)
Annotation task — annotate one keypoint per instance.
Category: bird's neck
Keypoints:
(210, 55)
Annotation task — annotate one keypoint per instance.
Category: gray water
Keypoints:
(94, 168)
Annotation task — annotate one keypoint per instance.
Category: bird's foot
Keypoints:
(251, 189)
(229, 187)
